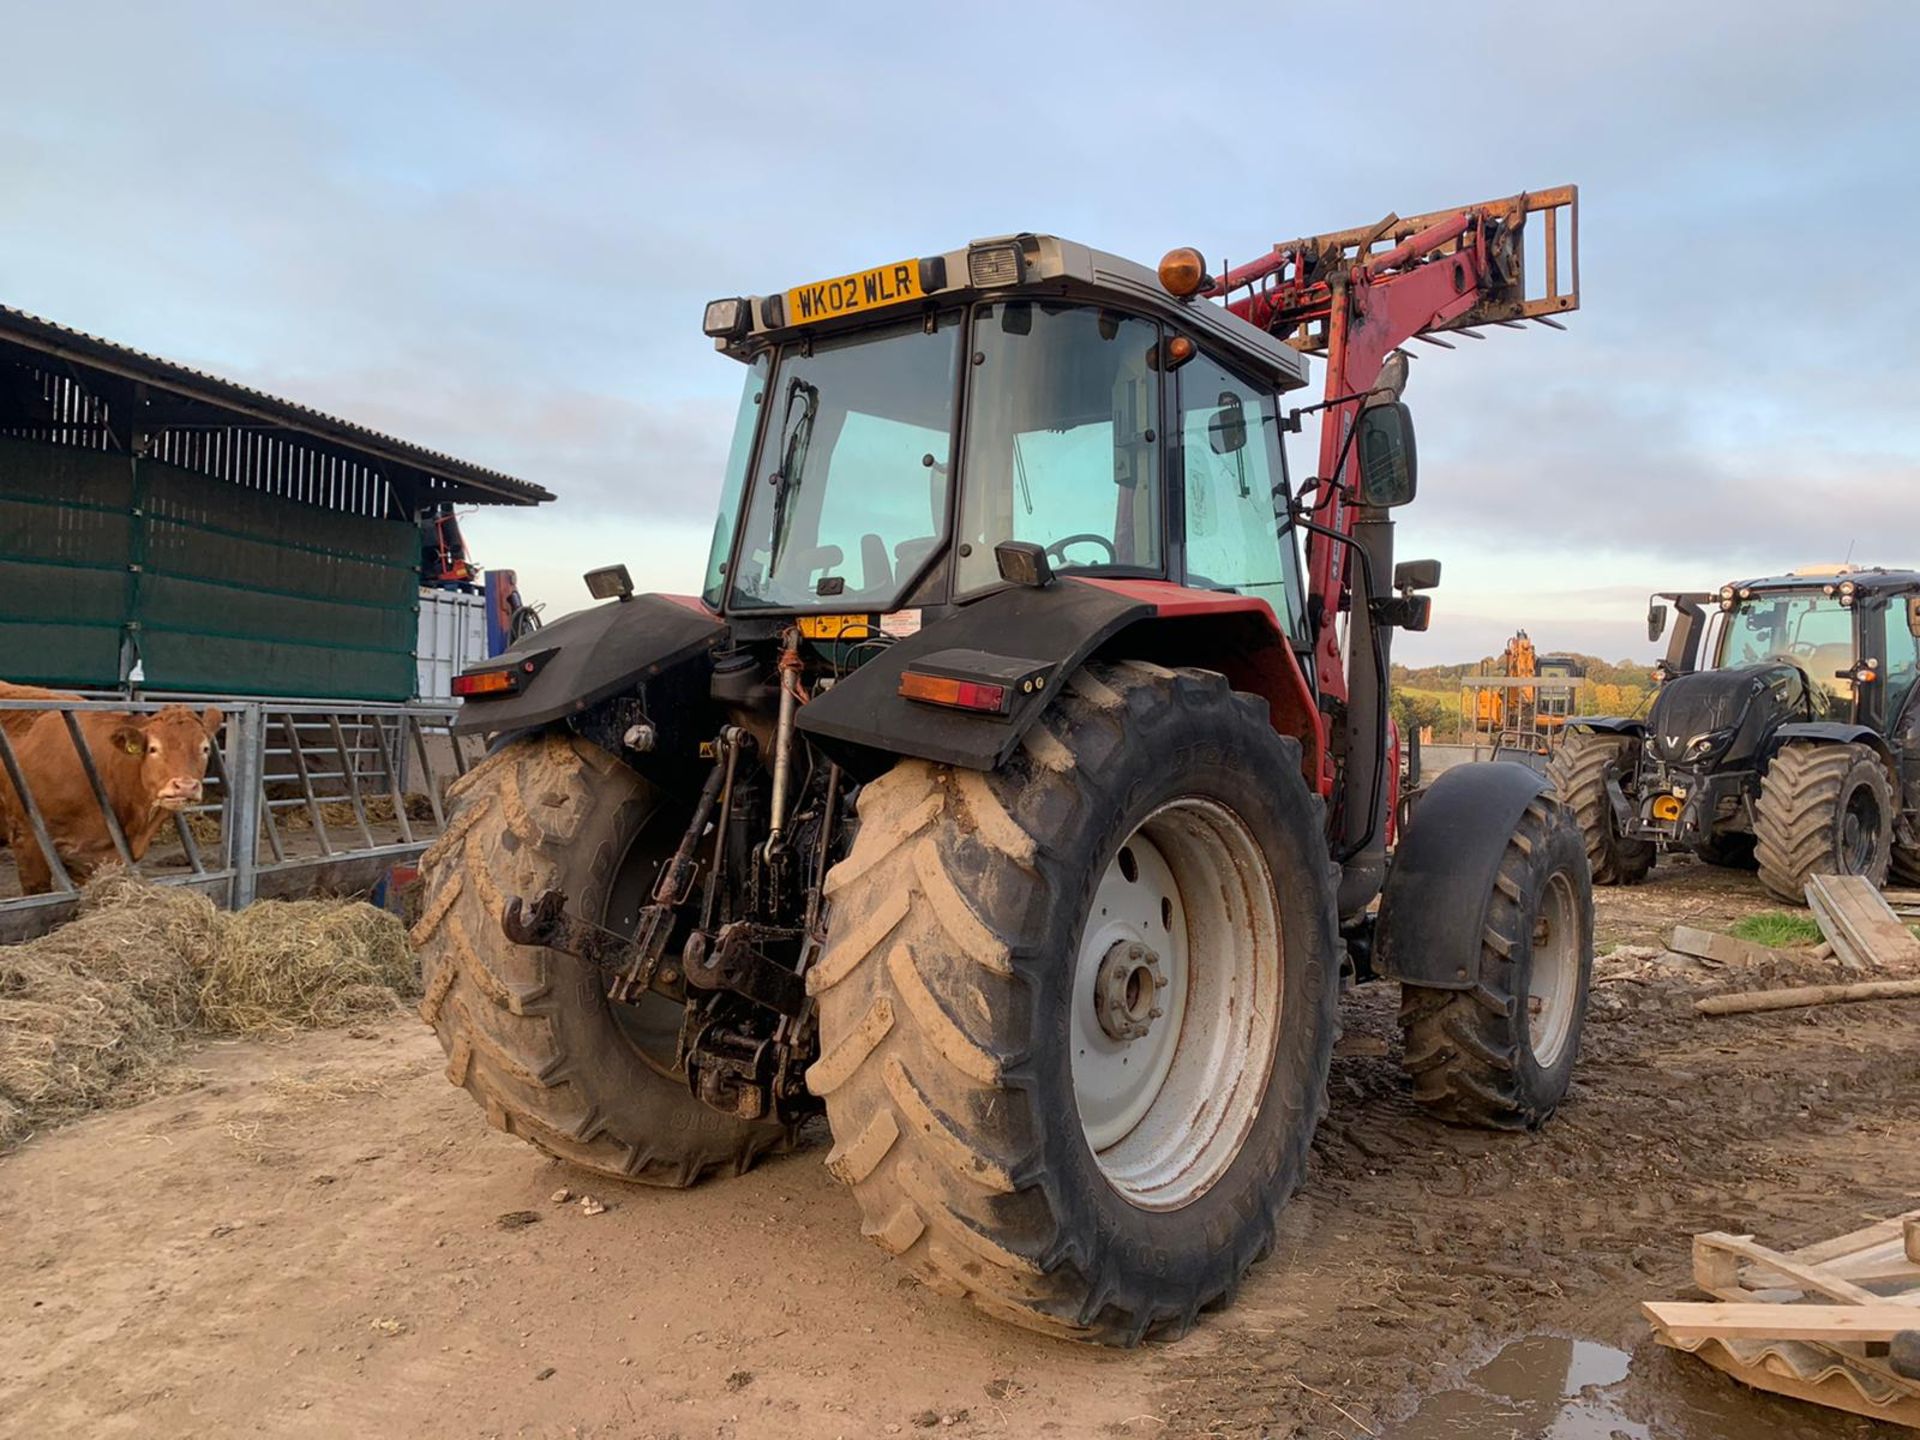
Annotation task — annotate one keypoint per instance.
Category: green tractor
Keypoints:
(1784, 736)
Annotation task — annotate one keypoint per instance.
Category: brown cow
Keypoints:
(17, 722)
(150, 765)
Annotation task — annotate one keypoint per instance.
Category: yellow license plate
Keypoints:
(837, 627)
(864, 290)
(1666, 807)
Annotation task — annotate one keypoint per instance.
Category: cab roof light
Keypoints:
(991, 266)
(1183, 272)
(727, 319)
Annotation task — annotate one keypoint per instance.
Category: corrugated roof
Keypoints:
(83, 349)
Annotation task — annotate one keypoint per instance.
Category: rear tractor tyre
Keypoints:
(1076, 1015)
(1824, 809)
(1579, 772)
(1904, 864)
(1501, 1056)
(529, 1031)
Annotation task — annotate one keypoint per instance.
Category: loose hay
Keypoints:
(288, 965)
(91, 1013)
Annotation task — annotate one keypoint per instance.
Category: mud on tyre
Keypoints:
(1501, 1056)
(1579, 772)
(1824, 809)
(969, 964)
(529, 1031)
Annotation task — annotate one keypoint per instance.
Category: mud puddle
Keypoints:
(1545, 1387)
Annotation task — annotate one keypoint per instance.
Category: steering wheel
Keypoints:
(1059, 547)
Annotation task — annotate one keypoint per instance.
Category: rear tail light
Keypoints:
(956, 694)
(973, 680)
(498, 680)
(487, 682)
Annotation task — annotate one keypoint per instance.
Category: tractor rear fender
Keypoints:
(1838, 732)
(1608, 724)
(864, 723)
(1433, 911)
(588, 656)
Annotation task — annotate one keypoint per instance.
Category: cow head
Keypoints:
(174, 746)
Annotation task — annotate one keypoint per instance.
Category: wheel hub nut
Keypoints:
(1126, 990)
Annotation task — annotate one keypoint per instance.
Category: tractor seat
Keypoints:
(1833, 697)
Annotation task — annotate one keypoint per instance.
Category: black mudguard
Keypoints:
(863, 722)
(1608, 724)
(1434, 908)
(1837, 732)
(590, 655)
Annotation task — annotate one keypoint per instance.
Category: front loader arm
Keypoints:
(1356, 296)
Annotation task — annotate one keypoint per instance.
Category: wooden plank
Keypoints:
(1711, 945)
(1836, 1392)
(1861, 916)
(1855, 1241)
(1690, 1321)
(1834, 927)
(1873, 920)
(1716, 1259)
(1795, 997)
(1875, 1265)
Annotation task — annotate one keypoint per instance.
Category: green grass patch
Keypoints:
(1778, 929)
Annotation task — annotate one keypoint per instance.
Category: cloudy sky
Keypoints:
(491, 229)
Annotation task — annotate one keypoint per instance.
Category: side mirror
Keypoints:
(1227, 431)
(1389, 467)
(1416, 575)
(1913, 614)
(1657, 621)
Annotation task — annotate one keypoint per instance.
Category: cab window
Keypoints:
(1061, 446)
(1236, 493)
(1900, 658)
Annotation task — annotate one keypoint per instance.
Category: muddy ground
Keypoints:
(322, 1237)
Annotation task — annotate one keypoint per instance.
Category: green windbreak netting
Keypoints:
(221, 588)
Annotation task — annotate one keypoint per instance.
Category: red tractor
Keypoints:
(1013, 791)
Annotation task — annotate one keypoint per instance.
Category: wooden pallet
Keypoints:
(1860, 924)
(1810, 1323)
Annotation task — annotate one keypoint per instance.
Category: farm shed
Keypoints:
(221, 539)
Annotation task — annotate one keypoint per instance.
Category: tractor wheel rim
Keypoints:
(1859, 831)
(1185, 923)
(1553, 982)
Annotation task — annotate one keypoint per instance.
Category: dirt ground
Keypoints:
(322, 1237)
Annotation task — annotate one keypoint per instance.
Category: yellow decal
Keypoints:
(835, 627)
(849, 294)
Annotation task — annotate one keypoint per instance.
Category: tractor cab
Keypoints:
(899, 425)
(1847, 631)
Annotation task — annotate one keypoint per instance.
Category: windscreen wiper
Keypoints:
(793, 461)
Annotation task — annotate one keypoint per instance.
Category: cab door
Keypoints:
(1235, 491)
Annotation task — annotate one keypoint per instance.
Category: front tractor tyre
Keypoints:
(1501, 1055)
(529, 1031)
(1076, 1015)
(1824, 809)
(1580, 773)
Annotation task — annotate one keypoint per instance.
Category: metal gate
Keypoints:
(302, 797)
